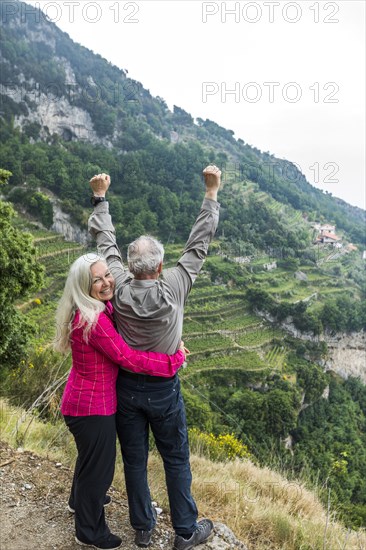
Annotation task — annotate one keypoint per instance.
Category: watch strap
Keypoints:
(96, 200)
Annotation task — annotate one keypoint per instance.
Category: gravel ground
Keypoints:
(34, 515)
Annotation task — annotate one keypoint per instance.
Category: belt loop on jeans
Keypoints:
(144, 377)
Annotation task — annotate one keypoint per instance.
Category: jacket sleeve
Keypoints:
(101, 228)
(110, 343)
(182, 277)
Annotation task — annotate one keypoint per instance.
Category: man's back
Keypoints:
(149, 312)
(148, 315)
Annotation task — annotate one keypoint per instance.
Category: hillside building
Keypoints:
(327, 235)
(328, 238)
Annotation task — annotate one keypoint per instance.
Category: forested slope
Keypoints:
(68, 113)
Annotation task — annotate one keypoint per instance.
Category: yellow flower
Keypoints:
(221, 447)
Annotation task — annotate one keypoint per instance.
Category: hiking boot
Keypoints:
(107, 501)
(201, 534)
(109, 544)
(143, 538)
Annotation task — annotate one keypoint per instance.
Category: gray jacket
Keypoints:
(149, 313)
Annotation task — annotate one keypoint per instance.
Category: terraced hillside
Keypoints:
(223, 336)
(219, 328)
(56, 255)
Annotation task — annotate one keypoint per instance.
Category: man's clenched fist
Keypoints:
(100, 184)
(212, 176)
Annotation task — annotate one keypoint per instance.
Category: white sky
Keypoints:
(181, 49)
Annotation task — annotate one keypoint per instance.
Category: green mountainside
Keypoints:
(258, 318)
(245, 376)
(68, 113)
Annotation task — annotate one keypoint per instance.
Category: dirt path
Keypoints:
(34, 516)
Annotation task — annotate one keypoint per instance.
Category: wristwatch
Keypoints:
(97, 200)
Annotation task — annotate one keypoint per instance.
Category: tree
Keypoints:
(20, 273)
(311, 378)
(42, 205)
(199, 414)
(281, 414)
(247, 407)
(4, 176)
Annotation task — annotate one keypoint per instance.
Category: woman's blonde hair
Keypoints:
(76, 296)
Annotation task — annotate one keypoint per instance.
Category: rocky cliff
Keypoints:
(347, 354)
(346, 351)
(63, 225)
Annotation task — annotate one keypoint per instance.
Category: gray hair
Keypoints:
(76, 296)
(144, 255)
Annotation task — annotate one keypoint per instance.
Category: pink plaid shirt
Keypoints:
(91, 385)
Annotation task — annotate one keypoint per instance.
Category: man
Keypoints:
(149, 307)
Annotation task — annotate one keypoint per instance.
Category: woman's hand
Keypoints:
(184, 349)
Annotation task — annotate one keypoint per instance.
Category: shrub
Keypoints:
(38, 382)
(219, 448)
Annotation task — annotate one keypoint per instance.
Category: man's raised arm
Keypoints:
(101, 227)
(202, 233)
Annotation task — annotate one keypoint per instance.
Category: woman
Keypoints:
(89, 403)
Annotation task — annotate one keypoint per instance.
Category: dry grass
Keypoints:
(22, 429)
(264, 510)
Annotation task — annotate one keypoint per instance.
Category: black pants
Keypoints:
(95, 438)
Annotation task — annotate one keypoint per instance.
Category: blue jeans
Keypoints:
(143, 404)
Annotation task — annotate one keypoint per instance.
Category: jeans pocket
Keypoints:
(163, 404)
(170, 427)
(126, 402)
